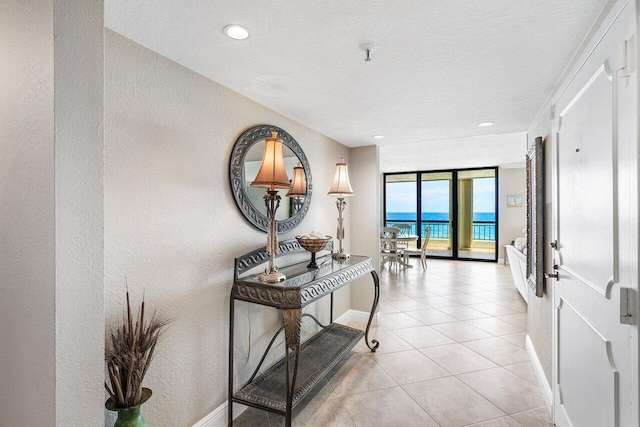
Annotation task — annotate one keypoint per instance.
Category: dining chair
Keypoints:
(423, 249)
(404, 230)
(389, 250)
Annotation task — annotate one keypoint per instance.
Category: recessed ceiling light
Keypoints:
(236, 32)
(485, 124)
(378, 136)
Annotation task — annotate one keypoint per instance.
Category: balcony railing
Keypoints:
(482, 230)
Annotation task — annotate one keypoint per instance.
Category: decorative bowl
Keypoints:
(313, 246)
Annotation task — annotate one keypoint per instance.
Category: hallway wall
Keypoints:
(27, 214)
(51, 216)
(512, 219)
(172, 227)
(365, 211)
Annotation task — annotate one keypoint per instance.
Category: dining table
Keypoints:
(400, 240)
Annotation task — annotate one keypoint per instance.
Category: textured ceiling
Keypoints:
(438, 69)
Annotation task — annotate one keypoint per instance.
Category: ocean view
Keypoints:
(437, 216)
(483, 227)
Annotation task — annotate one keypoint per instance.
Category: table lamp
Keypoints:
(298, 189)
(341, 188)
(272, 176)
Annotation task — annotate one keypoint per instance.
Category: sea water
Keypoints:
(439, 223)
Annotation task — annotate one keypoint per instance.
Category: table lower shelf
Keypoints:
(317, 356)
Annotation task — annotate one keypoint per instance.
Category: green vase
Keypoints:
(129, 417)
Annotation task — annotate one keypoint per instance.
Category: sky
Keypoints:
(401, 196)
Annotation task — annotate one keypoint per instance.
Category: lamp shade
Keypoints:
(299, 183)
(341, 186)
(272, 173)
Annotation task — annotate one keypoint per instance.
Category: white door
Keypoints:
(596, 214)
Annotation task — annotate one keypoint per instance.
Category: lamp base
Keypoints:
(273, 277)
(340, 256)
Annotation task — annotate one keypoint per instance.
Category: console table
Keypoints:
(282, 386)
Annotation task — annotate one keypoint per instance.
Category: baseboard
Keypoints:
(355, 316)
(547, 394)
(345, 319)
(218, 417)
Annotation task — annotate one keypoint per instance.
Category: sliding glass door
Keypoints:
(477, 214)
(401, 203)
(435, 192)
(459, 207)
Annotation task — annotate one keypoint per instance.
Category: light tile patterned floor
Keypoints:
(451, 354)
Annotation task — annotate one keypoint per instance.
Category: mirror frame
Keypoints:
(248, 139)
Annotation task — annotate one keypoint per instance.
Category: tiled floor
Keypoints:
(452, 353)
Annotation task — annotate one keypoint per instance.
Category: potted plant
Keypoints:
(128, 353)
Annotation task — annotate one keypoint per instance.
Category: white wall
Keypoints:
(51, 288)
(79, 167)
(27, 233)
(172, 227)
(512, 219)
(490, 150)
(365, 212)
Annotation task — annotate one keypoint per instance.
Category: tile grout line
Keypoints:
(341, 403)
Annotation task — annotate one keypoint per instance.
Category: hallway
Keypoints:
(452, 353)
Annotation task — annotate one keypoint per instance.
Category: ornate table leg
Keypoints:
(230, 391)
(376, 297)
(291, 320)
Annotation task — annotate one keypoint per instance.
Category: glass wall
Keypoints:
(459, 207)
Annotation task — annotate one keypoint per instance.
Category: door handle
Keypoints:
(553, 275)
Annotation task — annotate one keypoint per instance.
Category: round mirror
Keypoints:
(246, 159)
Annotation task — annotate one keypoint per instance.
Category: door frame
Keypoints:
(454, 207)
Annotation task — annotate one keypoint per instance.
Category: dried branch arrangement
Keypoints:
(129, 354)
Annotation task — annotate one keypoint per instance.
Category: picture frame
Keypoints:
(514, 200)
(535, 217)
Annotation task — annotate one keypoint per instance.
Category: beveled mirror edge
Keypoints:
(240, 149)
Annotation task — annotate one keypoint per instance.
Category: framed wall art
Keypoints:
(514, 200)
(535, 217)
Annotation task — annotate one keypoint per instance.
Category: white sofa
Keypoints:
(518, 263)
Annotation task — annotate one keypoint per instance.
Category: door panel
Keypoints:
(596, 211)
(585, 182)
(577, 373)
